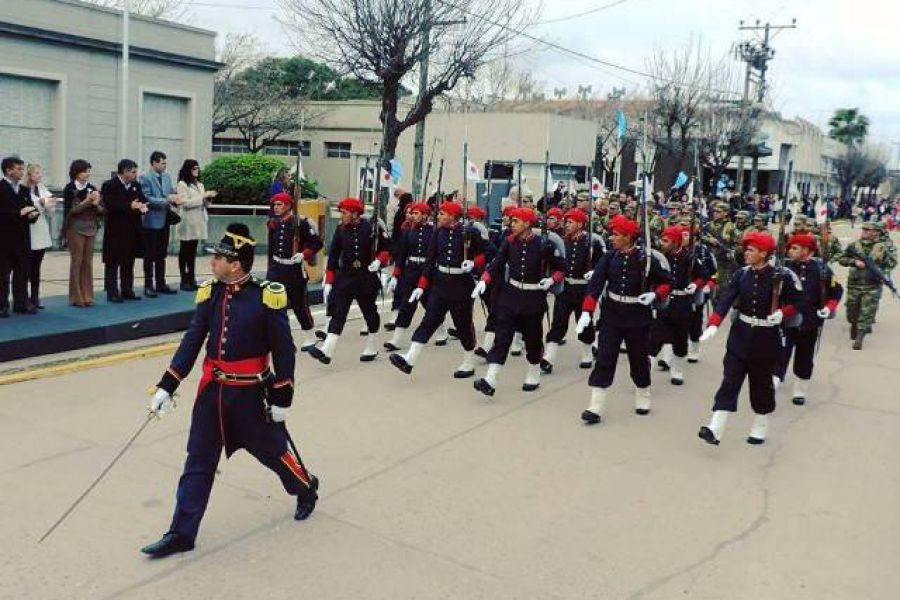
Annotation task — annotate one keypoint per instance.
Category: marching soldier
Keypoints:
(454, 252)
(410, 255)
(801, 334)
(628, 291)
(243, 397)
(522, 300)
(760, 224)
(358, 251)
(583, 252)
(672, 325)
(764, 297)
(863, 283)
(293, 242)
(555, 221)
(830, 247)
(497, 235)
(721, 237)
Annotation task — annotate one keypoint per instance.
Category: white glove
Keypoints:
(691, 288)
(707, 289)
(775, 318)
(546, 283)
(278, 413)
(647, 298)
(588, 275)
(467, 266)
(162, 402)
(480, 287)
(416, 295)
(824, 313)
(583, 321)
(326, 290)
(298, 258)
(709, 333)
(375, 266)
(392, 284)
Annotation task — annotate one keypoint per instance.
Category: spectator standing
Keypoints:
(82, 210)
(160, 194)
(281, 184)
(39, 232)
(124, 203)
(16, 214)
(192, 203)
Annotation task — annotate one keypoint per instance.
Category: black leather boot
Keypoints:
(171, 543)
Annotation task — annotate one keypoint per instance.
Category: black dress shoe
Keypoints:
(798, 400)
(390, 346)
(321, 334)
(590, 418)
(442, 342)
(452, 333)
(459, 374)
(130, 296)
(171, 543)
(320, 356)
(484, 387)
(164, 289)
(26, 310)
(706, 434)
(530, 387)
(188, 287)
(546, 367)
(663, 365)
(398, 361)
(642, 411)
(149, 293)
(755, 441)
(305, 506)
(390, 326)
(481, 352)
(114, 298)
(562, 342)
(676, 381)
(585, 365)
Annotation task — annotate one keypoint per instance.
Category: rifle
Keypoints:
(438, 196)
(589, 174)
(779, 253)
(646, 226)
(519, 184)
(465, 200)
(874, 270)
(544, 220)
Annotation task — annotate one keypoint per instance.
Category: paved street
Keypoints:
(429, 490)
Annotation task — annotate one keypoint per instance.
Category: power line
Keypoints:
(582, 14)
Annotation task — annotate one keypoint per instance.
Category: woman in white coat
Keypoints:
(39, 230)
(193, 200)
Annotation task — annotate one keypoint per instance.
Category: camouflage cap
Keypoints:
(760, 217)
(583, 197)
(720, 206)
(742, 214)
(673, 204)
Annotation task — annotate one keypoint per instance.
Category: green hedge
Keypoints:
(246, 178)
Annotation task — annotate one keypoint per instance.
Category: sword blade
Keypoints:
(99, 478)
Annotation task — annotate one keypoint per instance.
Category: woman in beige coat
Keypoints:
(193, 199)
(82, 208)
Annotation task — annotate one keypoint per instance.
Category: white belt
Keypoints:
(416, 259)
(283, 261)
(681, 293)
(754, 322)
(623, 299)
(576, 281)
(451, 270)
(525, 286)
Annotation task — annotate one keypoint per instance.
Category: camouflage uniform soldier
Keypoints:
(863, 288)
(760, 223)
(721, 239)
(803, 224)
(657, 224)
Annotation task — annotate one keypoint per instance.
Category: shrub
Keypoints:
(241, 179)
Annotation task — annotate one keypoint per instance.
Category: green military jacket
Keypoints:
(883, 254)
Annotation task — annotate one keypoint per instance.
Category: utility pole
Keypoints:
(757, 55)
(419, 144)
(123, 79)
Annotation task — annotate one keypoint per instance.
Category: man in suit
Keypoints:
(124, 203)
(17, 212)
(160, 194)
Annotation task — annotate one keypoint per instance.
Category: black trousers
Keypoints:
(155, 242)
(298, 302)
(116, 270)
(243, 417)
(187, 260)
(35, 258)
(341, 299)
(14, 263)
(758, 372)
(491, 293)
(436, 311)
(564, 306)
(531, 326)
(610, 338)
(802, 345)
(695, 329)
(670, 330)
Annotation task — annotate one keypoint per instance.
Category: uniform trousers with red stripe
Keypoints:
(238, 413)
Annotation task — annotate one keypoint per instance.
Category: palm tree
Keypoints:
(848, 126)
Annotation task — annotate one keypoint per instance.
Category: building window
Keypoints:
(287, 148)
(337, 149)
(230, 146)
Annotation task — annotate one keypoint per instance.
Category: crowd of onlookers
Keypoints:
(134, 212)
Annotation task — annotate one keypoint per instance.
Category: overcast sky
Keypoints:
(842, 54)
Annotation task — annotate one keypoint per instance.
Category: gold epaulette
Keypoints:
(204, 291)
(274, 295)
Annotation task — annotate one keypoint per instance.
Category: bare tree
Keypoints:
(171, 10)
(385, 40)
(238, 53)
